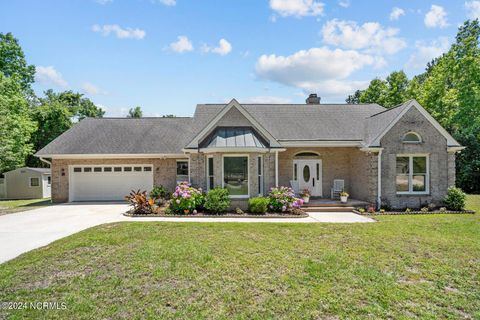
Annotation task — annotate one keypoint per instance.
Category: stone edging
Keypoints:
(268, 216)
(412, 212)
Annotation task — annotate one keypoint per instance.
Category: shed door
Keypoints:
(107, 183)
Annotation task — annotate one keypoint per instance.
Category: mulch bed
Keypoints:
(413, 212)
(225, 215)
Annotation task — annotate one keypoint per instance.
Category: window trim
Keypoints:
(410, 157)
(233, 155)
(210, 174)
(412, 142)
(30, 182)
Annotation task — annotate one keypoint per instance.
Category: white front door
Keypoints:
(308, 173)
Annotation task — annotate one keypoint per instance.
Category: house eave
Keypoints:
(112, 156)
(321, 143)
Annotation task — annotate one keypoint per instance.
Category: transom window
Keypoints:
(412, 137)
(412, 174)
(235, 176)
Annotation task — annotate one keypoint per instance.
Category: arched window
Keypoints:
(412, 137)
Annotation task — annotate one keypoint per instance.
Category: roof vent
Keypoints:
(313, 99)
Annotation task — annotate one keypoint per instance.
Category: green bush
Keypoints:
(258, 205)
(217, 200)
(159, 192)
(455, 199)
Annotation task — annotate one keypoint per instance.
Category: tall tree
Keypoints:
(397, 84)
(375, 93)
(135, 112)
(16, 126)
(354, 98)
(12, 61)
(56, 113)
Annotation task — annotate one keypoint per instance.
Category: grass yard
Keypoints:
(12, 206)
(424, 266)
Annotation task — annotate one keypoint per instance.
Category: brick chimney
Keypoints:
(313, 99)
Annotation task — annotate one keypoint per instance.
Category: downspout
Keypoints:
(379, 180)
(46, 161)
(276, 168)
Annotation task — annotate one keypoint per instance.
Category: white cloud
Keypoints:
(224, 48)
(182, 45)
(48, 75)
(266, 99)
(370, 35)
(436, 17)
(168, 3)
(473, 8)
(297, 8)
(396, 13)
(103, 2)
(91, 89)
(425, 52)
(317, 69)
(344, 3)
(121, 33)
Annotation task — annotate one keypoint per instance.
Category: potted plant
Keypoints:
(344, 197)
(305, 194)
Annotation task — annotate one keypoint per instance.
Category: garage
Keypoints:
(108, 182)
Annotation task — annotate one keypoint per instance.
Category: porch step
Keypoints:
(327, 209)
(326, 204)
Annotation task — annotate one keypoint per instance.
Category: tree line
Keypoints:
(449, 89)
(29, 122)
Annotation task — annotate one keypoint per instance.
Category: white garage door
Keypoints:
(108, 182)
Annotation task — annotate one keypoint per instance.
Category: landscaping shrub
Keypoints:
(185, 199)
(455, 199)
(217, 200)
(283, 199)
(159, 192)
(258, 205)
(141, 203)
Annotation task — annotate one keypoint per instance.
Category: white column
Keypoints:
(276, 168)
(379, 179)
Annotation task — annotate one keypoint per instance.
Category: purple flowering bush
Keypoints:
(283, 199)
(186, 199)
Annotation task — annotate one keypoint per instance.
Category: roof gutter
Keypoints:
(46, 161)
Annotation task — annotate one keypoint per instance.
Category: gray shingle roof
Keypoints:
(377, 123)
(306, 122)
(324, 122)
(123, 136)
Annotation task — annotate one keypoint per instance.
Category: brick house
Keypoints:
(400, 156)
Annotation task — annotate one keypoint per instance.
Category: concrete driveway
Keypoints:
(25, 231)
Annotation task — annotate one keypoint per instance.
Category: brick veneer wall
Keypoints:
(442, 165)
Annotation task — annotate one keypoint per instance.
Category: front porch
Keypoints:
(322, 202)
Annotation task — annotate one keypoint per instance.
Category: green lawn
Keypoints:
(424, 266)
(11, 206)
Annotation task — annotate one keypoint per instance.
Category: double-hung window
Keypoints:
(412, 176)
(182, 171)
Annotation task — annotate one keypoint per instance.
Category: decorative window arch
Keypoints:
(412, 137)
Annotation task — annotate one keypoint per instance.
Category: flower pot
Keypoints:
(343, 199)
(306, 199)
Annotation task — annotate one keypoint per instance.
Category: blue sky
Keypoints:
(168, 55)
